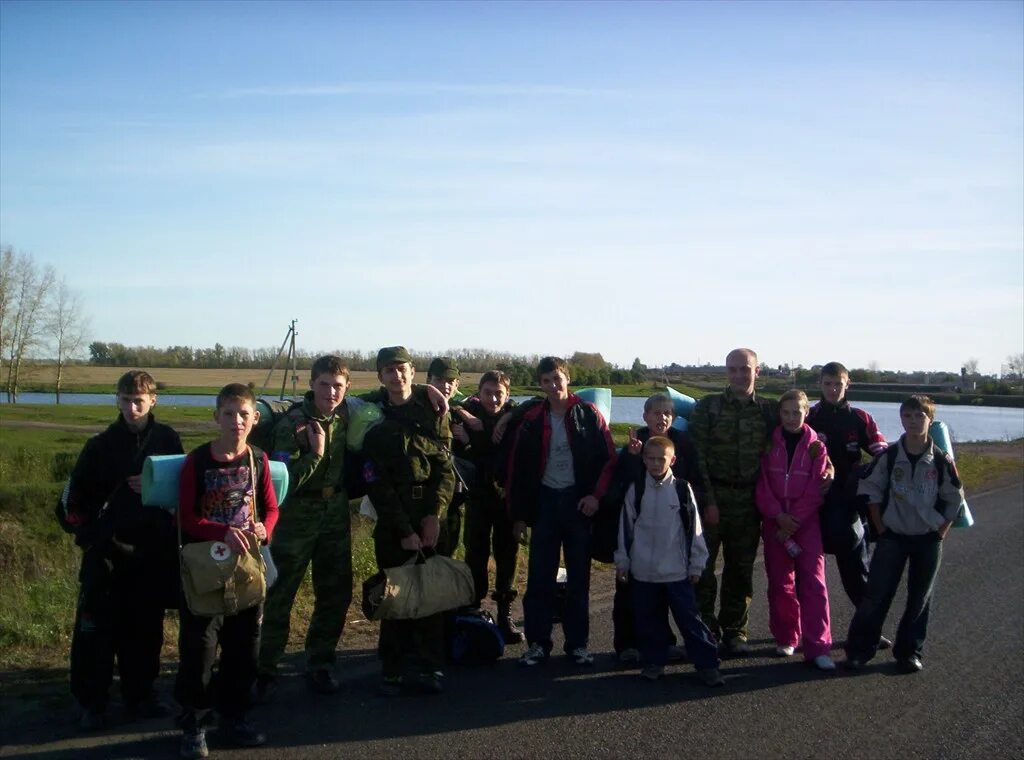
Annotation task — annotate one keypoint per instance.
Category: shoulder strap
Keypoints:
(639, 485)
(890, 455)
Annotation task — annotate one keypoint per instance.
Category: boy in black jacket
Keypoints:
(129, 571)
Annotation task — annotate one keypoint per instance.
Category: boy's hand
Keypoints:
(588, 505)
(519, 531)
(787, 524)
(317, 438)
(135, 483)
(499, 429)
(473, 423)
(781, 536)
(635, 445)
(260, 531)
(711, 514)
(237, 540)
(437, 400)
(943, 530)
(430, 527)
(622, 576)
(694, 580)
(412, 543)
(460, 434)
(828, 478)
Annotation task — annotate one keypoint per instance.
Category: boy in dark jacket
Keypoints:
(129, 570)
(561, 464)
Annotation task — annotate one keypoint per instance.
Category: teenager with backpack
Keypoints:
(913, 497)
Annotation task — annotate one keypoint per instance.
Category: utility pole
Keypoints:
(289, 363)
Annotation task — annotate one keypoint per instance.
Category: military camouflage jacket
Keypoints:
(731, 434)
(410, 472)
(308, 474)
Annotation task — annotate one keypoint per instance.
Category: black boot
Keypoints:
(509, 631)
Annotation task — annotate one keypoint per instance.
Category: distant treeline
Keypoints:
(586, 368)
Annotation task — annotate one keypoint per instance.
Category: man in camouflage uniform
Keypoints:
(444, 375)
(410, 480)
(314, 527)
(730, 431)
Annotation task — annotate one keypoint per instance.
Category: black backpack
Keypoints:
(476, 639)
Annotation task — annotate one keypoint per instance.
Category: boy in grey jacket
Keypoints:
(913, 499)
(662, 554)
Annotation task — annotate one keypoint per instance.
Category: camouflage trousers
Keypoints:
(737, 535)
(316, 531)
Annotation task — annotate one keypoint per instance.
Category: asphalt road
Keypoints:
(966, 703)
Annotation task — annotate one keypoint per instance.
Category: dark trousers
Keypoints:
(843, 536)
(650, 601)
(239, 639)
(487, 525)
(418, 644)
(892, 553)
(560, 527)
(117, 617)
(853, 569)
(624, 620)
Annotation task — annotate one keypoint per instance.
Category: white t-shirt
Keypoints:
(558, 471)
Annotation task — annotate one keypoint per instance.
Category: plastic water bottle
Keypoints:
(792, 547)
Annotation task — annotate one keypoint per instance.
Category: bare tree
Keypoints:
(30, 290)
(1015, 364)
(971, 367)
(6, 279)
(67, 326)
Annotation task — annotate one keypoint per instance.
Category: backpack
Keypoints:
(272, 411)
(476, 639)
(687, 509)
(889, 455)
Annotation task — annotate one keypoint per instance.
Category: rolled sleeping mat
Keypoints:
(599, 397)
(160, 476)
(362, 415)
(683, 404)
(939, 432)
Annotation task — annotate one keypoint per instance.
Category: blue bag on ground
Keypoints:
(477, 640)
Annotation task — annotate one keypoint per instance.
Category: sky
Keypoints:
(664, 181)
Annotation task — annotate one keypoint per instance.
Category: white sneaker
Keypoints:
(785, 651)
(824, 662)
(533, 656)
(582, 656)
(629, 655)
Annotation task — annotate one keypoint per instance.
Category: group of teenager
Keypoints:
(544, 472)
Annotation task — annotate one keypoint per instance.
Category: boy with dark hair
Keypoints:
(410, 481)
(847, 431)
(659, 412)
(487, 520)
(661, 554)
(129, 572)
(225, 494)
(560, 465)
(315, 528)
(914, 495)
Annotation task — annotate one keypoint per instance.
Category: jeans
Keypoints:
(892, 552)
(559, 527)
(649, 602)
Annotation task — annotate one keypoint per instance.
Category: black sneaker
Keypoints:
(910, 664)
(884, 643)
(193, 745)
(242, 733)
(391, 686)
(93, 719)
(431, 682)
(264, 688)
(322, 681)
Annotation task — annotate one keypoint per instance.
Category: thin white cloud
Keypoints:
(415, 88)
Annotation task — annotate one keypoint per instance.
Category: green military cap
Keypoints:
(445, 368)
(392, 355)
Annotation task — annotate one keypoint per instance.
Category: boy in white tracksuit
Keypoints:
(662, 554)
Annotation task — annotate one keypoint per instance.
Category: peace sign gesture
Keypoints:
(635, 445)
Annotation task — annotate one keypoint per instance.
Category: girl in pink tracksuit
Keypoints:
(788, 496)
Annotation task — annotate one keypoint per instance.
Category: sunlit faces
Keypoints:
(792, 413)
(555, 385)
(135, 408)
(235, 418)
(743, 370)
(493, 397)
(915, 422)
(397, 378)
(328, 391)
(447, 387)
(659, 418)
(833, 387)
(658, 460)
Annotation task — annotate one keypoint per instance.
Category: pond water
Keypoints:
(967, 423)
